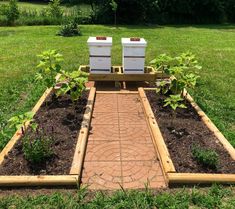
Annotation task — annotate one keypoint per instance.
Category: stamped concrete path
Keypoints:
(120, 152)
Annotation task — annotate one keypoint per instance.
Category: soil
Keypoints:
(183, 132)
(59, 119)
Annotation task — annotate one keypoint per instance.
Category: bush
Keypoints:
(55, 9)
(11, 13)
(70, 29)
(206, 157)
(38, 149)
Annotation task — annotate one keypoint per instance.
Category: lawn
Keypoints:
(214, 46)
(213, 197)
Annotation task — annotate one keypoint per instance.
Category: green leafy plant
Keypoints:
(206, 157)
(174, 101)
(37, 150)
(72, 83)
(55, 9)
(19, 122)
(49, 66)
(70, 29)
(179, 70)
(10, 11)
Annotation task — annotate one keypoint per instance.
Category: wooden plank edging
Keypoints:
(44, 180)
(159, 143)
(203, 178)
(18, 133)
(80, 149)
(211, 126)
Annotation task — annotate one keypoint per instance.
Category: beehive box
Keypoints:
(133, 55)
(100, 54)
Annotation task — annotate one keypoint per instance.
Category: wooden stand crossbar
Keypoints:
(117, 74)
(166, 162)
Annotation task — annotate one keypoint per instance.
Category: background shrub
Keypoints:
(70, 29)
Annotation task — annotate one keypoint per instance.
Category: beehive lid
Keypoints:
(128, 42)
(95, 41)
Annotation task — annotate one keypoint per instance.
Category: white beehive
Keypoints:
(133, 55)
(100, 54)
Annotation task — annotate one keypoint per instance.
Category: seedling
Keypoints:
(174, 101)
(19, 122)
(206, 157)
(49, 67)
(72, 83)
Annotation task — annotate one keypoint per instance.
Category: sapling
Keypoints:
(19, 122)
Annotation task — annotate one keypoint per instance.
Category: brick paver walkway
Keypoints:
(120, 151)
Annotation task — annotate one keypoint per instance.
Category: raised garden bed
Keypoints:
(68, 126)
(175, 139)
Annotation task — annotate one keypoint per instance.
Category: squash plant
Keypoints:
(49, 66)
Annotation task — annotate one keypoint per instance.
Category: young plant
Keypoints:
(19, 122)
(37, 150)
(72, 83)
(206, 157)
(174, 101)
(49, 66)
(178, 68)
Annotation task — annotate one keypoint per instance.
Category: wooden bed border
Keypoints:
(166, 162)
(53, 180)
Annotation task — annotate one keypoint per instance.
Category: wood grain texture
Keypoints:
(47, 180)
(80, 149)
(158, 140)
(211, 126)
(117, 75)
(195, 178)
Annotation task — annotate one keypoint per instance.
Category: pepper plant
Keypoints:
(19, 122)
(49, 66)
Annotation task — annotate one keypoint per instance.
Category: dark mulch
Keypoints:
(59, 119)
(185, 131)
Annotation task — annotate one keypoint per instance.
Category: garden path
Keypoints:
(120, 152)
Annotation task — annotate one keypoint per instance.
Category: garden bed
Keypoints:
(68, 125)
(175, 137)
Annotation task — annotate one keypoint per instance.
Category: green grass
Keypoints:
(213, 197)
(214, 46)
